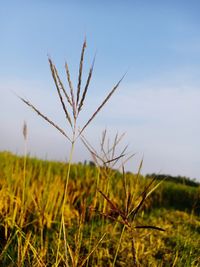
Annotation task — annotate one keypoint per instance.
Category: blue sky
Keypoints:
(157, 104)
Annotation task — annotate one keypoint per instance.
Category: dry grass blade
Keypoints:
(114, 145)
(56, 80)
(114, 207)
(80, 72)
(134, 252)
(114, 159)
(137, 178)
(95, 154)
(144, 195)
(103, 139)
(155, 187)
(9, 241)
(135, 211)
(111, 217)
(105, 154)
(140, 168)
(88, 145)
(127, 159)
(92, 251)
(150, 227)
(100, 107)
(124, 150)
(102, 143)
(71, 254)
(33, 249)
(108, 149)
(94, 158)
(91, 150)
(148, 186)
(125, 190)
(71, 89)
(116, 142)
(86, 87)
(45, 118)
(122, 154)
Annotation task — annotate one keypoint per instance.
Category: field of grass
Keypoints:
(30, 212)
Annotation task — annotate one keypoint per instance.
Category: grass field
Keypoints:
(30, 212)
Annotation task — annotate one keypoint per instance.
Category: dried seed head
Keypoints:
(25, 131)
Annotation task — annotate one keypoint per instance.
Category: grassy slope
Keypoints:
(29, 228)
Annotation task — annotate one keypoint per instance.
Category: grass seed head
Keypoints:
(25, 130)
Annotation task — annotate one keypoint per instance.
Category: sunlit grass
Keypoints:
(39, 233)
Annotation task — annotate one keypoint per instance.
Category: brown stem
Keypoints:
(134, 252)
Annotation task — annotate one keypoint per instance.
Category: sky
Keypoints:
(157, 45)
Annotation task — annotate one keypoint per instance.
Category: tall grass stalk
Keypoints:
(72, 104)
(62, 225)
(21, 250)
(25, 135)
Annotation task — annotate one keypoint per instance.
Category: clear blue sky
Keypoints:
(157, 104)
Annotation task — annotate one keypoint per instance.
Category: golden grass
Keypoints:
(94, 238)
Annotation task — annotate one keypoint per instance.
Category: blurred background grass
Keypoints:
(29, 234)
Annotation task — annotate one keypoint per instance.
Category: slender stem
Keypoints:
(97, 187)
(24, 184)
(134, 252)
(90, 241)
(120, 240)
(62, 224)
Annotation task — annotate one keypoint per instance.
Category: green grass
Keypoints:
(177, 196)
(31, 239)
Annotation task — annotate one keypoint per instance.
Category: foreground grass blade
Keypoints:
(149, 227)
(93, 250)
(114, 207)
